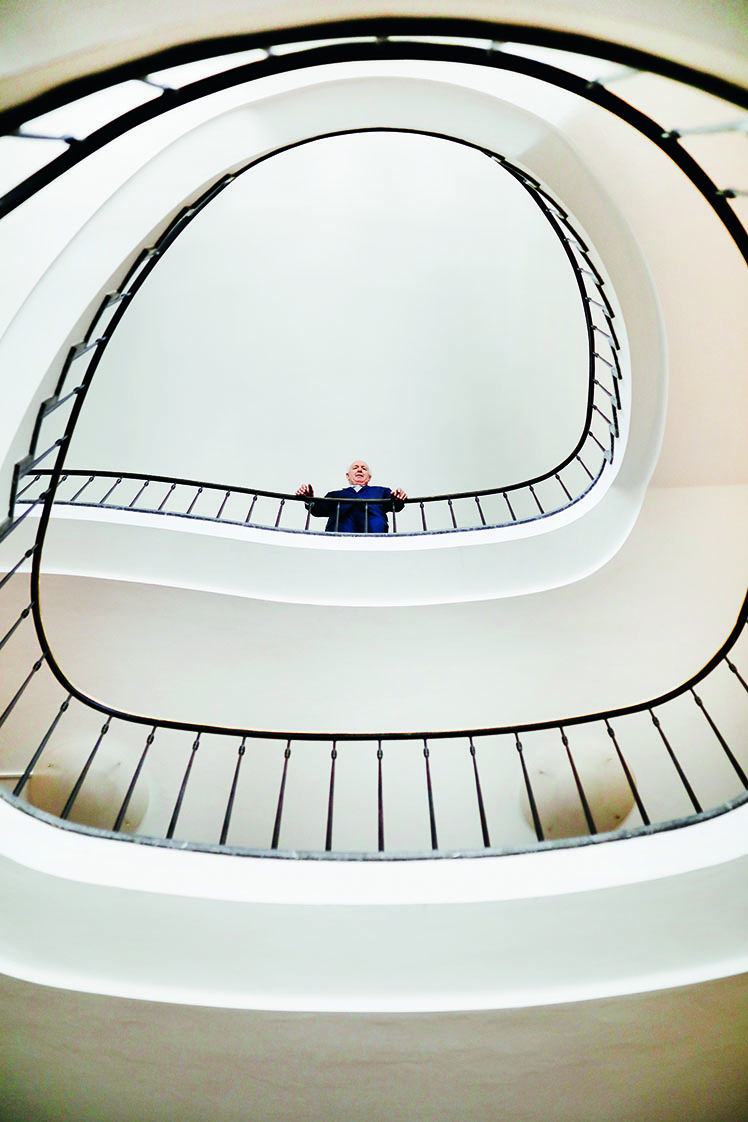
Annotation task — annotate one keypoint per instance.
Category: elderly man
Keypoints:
(345, 516)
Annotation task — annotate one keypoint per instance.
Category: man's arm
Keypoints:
(398, 499)
(322, 508)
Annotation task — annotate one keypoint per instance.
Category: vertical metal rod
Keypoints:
(585, 467)
(163, 502)
(597, 442)
(111, 490)
(24, 489)
(281, 795)
(17, 624)
(330, 798)
(430, 794)
(380, 800)
(580, 789)
(537, 500)
(337, 516)
(183, 788)
(128, 794)
(232, 793)
(19, 693)
(689, 789)
(563, 486)
(198, 493)
(506, 500)
(628, 773)
(394, 520)
(82, 489)
(308, 516)
(249, 512)
(480, 510)
(17, 566)
(479, 793)
(223, 504)
(79, 781)
(423, 516)
(737, 673)
(528, 787)
(45, 740)
(451, 511)
(140, 492)
(728, 752)
(280, 512)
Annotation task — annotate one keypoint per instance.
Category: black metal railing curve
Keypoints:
(550, 492)
(653, 711)
(468, 758)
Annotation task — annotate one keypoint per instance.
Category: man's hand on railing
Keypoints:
(398, 493)
(306, 491)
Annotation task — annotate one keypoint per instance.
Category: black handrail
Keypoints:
(719, 660)
(494, 33)
(604, 374)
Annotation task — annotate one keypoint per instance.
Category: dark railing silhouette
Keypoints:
(717, 749)
(554, 490)
(664, 784)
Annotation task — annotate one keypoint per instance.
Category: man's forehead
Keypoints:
(359, 463)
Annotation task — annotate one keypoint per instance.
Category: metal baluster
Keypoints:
(24, 489)
(280, 512)
(597, 442)
(19, 692)
(17, 566)
(249, 512)
(45, 740)
(563, 486)
(183, 788)
(223, 504)
(198, 493)
(166, 497)
(128, 794)
(337, 516)
(82, 489)
(9, 530)
(480, 510)
(580, 789)
(585, 467)
(330, 798)
(232, 793)
(528, 787)
(628, 773)
(281, 795)
(602, 387)
(79, 781)
(140, 492)
(423, 516)
(451, 511)
(479, 793)
(111, 490)
(738, 769)
(537, 500)
(737, 673)
(17, 624)
(380, 800)
(506, 500)
(308, 517)
(394, 520)
(430, 794)
(689, 789)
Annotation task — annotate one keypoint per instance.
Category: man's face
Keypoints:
(358, 473)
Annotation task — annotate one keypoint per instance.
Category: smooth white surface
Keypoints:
(526, 947)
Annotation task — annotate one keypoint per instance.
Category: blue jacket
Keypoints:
(359, 517)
